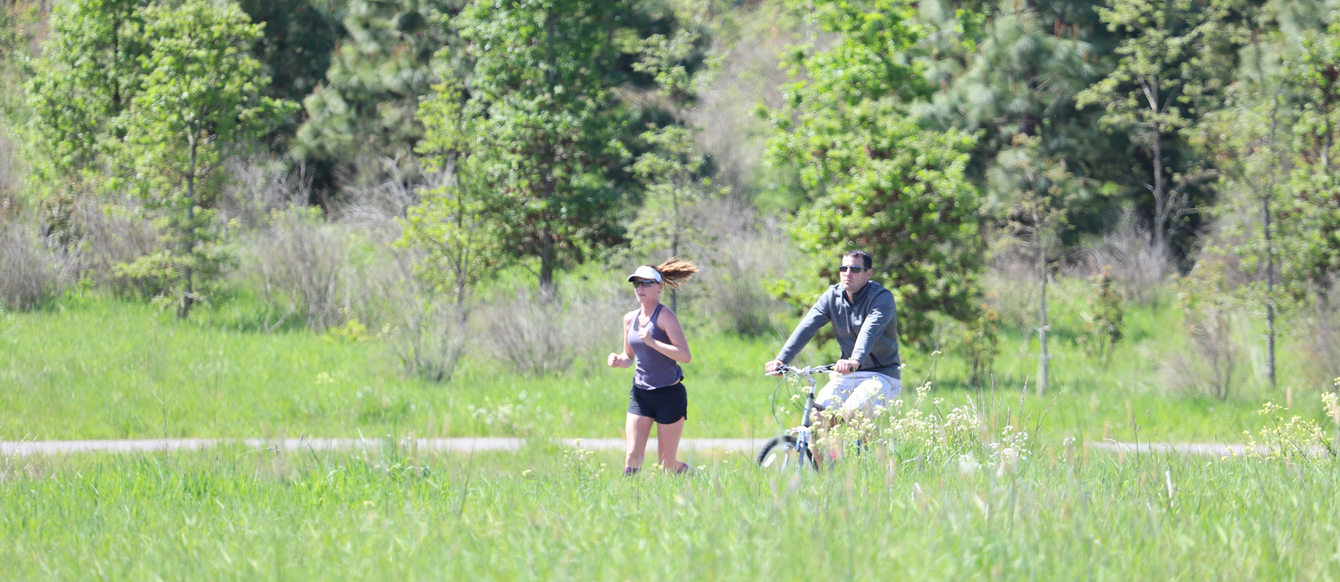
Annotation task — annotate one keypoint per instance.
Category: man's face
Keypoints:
(851, 279)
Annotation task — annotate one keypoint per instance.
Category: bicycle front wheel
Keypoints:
(782, 453)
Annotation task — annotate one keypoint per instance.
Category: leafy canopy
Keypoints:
(872, 178)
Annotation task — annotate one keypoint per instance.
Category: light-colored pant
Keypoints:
(858, 391)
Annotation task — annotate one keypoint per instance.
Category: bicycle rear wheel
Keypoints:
(781, 453)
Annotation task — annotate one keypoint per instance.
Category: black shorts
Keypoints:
(667, 405)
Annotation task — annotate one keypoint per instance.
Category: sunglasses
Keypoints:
(852, 268)
(643, 283)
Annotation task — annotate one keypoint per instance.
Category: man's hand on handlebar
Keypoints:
(847, 366)
(772, 367)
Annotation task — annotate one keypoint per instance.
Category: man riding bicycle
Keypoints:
(865, 324)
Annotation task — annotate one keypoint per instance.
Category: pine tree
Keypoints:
(363, 113)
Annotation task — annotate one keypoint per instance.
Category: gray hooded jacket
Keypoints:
(866, 328)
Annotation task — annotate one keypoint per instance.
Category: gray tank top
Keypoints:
(654, 370)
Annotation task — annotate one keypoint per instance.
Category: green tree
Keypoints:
(296, 49)
(1277, 215)
(365, 110)
(453, 222)
(1168, 72)
(873, 178)
(1008, 68)
(1248, 137)
(200, 94)
(85, 79)
(1037, 221)
(1310, 213)
(544, 125)
(672, 168)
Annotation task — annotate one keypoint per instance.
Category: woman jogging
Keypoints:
(654, 341)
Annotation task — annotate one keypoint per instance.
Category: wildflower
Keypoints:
(968, 465)
(1332, 404)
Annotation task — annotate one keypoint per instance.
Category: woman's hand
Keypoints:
(618, 360)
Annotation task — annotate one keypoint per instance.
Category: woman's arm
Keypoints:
(678, 348)
(625, 359)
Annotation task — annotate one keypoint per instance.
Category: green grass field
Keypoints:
(99, 368)
(549, 513)
(951, 506)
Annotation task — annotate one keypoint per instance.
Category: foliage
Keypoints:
(78, 91)
(1170, 69)
(980, 342)
(1274, 153)
(87, 76)
(541, 123)
(1102, 319)
(874, 180)
(199, 94)
(1009, 68)
(1207, 318)
(365, 110)
(451, 222)
(296, 48)
(1310, 212)
(1296, 437)
(672, 168)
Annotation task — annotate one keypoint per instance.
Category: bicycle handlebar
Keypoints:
(810, 370)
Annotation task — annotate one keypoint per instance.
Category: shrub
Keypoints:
(1212, 365)
(980, 338)
(1321, 346)
(1012, 290)
(539, 338)
(259, 187)
(30, 275)
(748, 252)
(96, 238)
(9, 174)
(1103, 318)
(300, 261)
(1137, 268)
(427, 335)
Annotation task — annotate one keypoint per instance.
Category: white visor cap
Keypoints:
(645, 272)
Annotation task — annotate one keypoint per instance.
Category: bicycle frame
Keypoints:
(800, 437)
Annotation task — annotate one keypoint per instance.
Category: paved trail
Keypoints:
(481, 444)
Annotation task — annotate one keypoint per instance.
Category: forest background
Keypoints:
(466, 182)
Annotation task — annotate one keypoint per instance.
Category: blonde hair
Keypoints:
(675, 271)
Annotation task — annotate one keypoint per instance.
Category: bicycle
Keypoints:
(794, 446)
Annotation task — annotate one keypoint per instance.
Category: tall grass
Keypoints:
(142, 374)
(550, 513)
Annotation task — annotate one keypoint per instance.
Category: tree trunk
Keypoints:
(1043, 358)
(188, 236)
(1043, 364)
(548, 256)
(1266, 232)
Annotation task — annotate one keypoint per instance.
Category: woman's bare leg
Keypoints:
(636, 430)
(667, 446)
